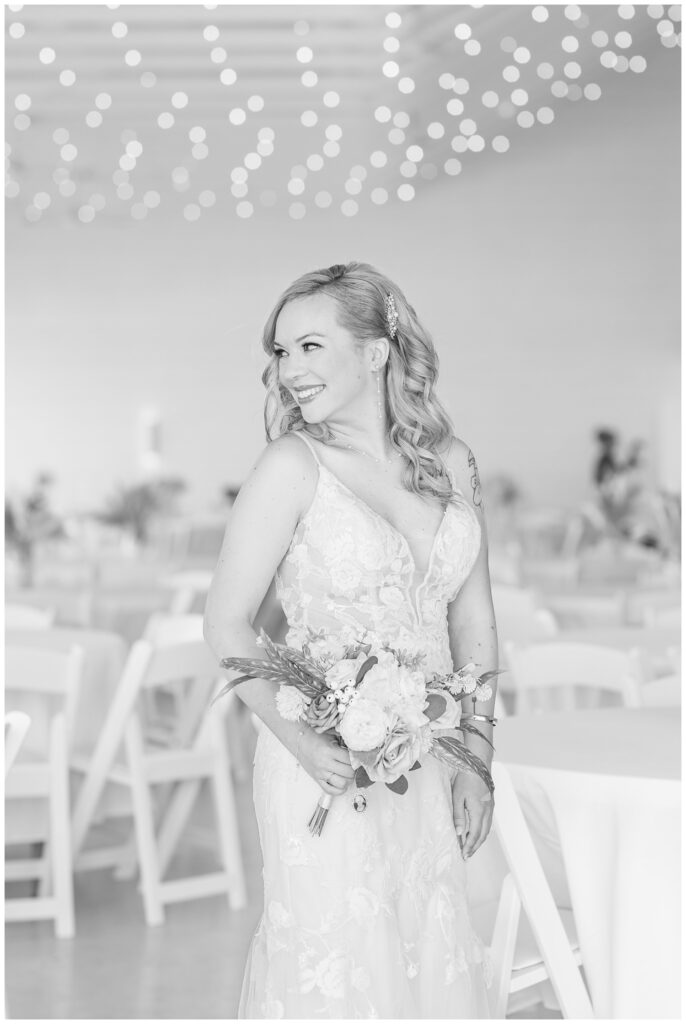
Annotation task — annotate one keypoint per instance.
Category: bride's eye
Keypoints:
(278, 352)
(311, 344)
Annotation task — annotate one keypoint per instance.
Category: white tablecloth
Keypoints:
(607, 782)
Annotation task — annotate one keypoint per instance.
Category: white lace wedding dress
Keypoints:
(370, 919)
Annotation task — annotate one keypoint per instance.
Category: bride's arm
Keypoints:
(472, 632)
(278, 490)
(263, 518)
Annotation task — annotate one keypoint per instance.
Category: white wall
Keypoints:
(549, 277)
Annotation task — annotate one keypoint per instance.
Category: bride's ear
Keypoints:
(377, 353)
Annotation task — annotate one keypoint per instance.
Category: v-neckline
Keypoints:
(392, 528)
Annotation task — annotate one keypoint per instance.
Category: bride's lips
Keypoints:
(308, 394)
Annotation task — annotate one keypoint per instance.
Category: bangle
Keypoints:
(301, 733)
(480, 718)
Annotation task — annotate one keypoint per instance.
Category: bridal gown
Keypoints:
(370, 919)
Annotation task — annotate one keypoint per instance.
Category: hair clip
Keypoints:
(392, 317)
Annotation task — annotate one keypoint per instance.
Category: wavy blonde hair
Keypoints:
(420, 429)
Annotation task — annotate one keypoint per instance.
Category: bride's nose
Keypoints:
(292, 371)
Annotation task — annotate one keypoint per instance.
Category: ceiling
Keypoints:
(125, 112)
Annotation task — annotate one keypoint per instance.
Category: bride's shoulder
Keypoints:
(287, 464)
(461, 460)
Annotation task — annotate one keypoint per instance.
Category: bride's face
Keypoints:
(319, 361)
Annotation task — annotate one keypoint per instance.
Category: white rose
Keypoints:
(411, 684)
(343, 673)
(290, 703)
(411, 713)
(364, 725)
(380, 684)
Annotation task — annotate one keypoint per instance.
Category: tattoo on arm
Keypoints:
(475, 482)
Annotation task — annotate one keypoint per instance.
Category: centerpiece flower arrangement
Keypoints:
(378, 703)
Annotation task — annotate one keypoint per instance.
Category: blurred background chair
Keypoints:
(189, 591)
(26, 616)
(48, 681)
(539, 945)
(16, 726)
(664, 692)
(575, 673)
(198, 751)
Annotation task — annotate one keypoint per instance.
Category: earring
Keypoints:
(379, 414)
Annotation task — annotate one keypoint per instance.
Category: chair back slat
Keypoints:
(48, 673)
(190, 659)
(542, 666)
(16, 727)
(26, 616)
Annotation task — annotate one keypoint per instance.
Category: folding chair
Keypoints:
(663, 692)
(564, 665)
(666, 616)
(16, 727)
(543, 946)
(200, 753)
(187, 587)
(40, 678)
(26, 616)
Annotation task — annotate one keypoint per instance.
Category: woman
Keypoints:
(369, 511)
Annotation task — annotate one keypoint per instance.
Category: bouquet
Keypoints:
(377, 702)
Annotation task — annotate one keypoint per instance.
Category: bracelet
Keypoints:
(480, 718)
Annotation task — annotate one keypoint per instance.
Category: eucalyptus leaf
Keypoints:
(362, 780)
(436, 706)
(400, 785)
(364, 668)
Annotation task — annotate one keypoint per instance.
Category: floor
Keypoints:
(190, 968)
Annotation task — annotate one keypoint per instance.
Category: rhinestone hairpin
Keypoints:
(392, 317)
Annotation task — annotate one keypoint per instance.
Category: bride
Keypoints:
(368, 510)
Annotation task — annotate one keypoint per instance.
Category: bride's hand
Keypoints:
(472, 811)
(326, 761)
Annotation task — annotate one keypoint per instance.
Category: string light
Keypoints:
(472, 100)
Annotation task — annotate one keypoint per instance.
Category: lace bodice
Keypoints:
(348, 570)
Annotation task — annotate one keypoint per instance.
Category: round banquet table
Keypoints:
(607, 780)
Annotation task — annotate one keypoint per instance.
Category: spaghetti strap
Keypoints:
(298, 433)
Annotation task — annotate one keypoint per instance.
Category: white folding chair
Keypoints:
(519, 615)
(199, 753)
(16, 727)
(668, 616)
(26, 616)
(563, 666)
(519, 619)
(663, 692)
(542, 946)
(187, 587)
(44, 678)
